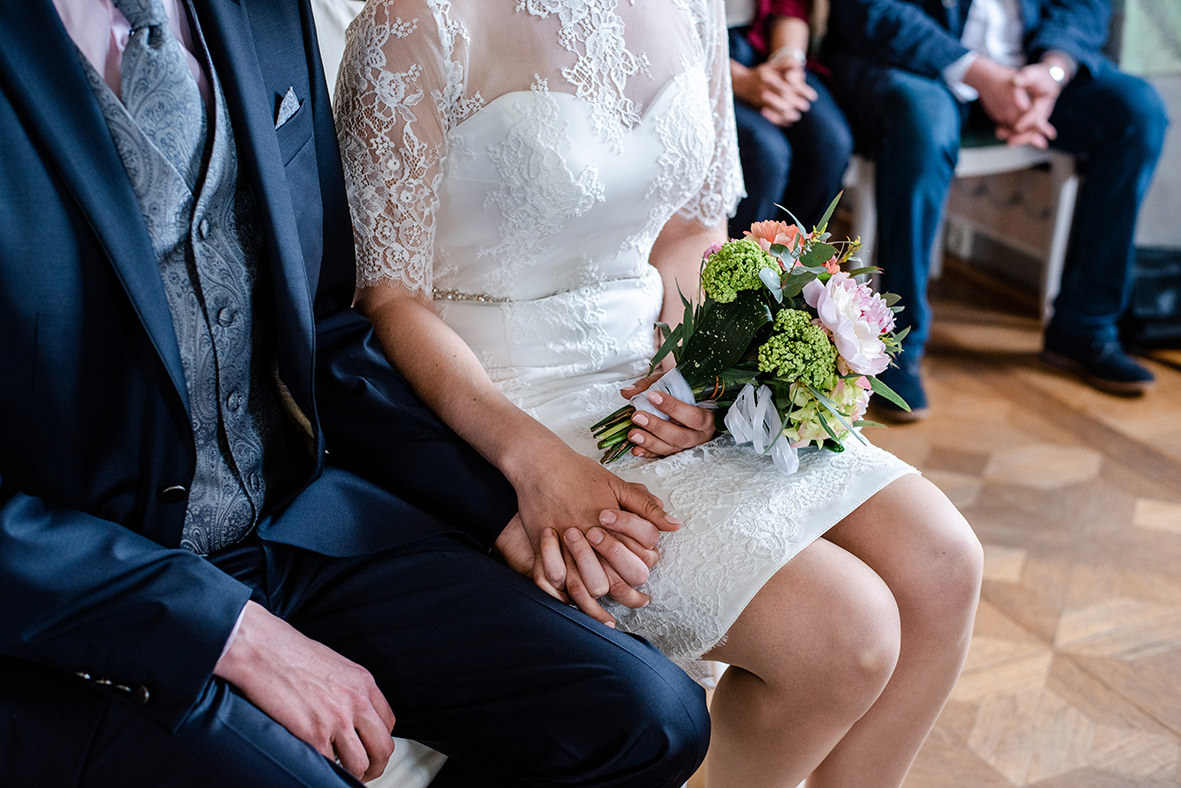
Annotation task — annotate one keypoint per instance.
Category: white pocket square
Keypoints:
(287, 107)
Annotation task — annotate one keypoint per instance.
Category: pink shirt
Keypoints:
(100, 31)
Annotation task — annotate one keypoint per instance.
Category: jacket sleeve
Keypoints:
(90, 597)
(894, 33)
(1076, 27)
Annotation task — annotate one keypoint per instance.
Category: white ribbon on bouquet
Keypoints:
(753, 419)
(671, 383)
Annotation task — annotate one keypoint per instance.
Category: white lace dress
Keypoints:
(517, 159)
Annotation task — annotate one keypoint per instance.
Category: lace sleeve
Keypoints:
(391, 123)
(722, 188)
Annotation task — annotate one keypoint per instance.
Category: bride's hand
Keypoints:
(687, 425)
(603, 521)
(513, 544)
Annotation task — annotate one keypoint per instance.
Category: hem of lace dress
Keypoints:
(699, 668)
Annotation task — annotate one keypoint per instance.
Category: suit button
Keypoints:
(141, 696)
(173, 494)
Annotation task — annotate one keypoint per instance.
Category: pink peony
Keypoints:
(856, 317)
(768, 233)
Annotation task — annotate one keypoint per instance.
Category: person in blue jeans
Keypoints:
(911, 74)
(793, 140)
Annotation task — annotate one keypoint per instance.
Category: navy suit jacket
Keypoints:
(923, 36)
(94, 423)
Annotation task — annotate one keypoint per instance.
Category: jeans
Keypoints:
(515, 687)
(799, 167)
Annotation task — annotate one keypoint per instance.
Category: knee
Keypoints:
(676, 724)
(762, 144)
(861, 652)
(1150, 120)
(951, 575)
(658, 731)
(922, 129)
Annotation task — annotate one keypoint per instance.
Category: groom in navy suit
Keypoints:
(234, 548)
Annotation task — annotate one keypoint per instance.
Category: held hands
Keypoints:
(779, 92)
(1019, 101)
(582, 532)
(329, 702)
(1034, 127)
(687, 425)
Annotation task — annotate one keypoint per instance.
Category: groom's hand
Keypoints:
(561, 490)
(513, 544)
(329, 702)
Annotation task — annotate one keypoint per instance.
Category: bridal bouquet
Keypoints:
(784, 342)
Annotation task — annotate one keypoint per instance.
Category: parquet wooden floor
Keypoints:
(1074, 675)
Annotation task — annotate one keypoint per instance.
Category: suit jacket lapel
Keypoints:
(235, 58)
(40, 67)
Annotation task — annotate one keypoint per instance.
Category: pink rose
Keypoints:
(856, 317)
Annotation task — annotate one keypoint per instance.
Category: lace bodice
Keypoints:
(448, 131)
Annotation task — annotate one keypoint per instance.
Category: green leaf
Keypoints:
(794, 220)
(670, 343)
(818, 254)
(831, 407)
(793, 285)
(832, 206)
(889, 393)
(722, 337)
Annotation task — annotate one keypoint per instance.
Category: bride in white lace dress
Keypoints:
(530, 182)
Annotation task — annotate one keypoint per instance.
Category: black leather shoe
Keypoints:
(1103, 364)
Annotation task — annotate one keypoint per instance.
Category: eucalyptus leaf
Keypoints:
(889, 393)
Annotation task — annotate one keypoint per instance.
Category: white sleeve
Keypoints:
(723, 186)
(391, 124)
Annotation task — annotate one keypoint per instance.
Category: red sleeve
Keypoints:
(797, 9)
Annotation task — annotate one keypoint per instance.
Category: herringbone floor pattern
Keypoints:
(1074, 674)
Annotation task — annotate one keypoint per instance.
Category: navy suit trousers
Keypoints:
(517, 688)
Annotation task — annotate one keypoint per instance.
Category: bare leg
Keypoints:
(809, 655)
(924, 550)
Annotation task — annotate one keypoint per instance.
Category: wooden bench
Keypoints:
(982, 155)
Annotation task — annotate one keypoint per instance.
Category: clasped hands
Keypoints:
(779, 91)
(582, 533)
(1018, 100)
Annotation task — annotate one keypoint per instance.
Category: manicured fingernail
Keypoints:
(611, 624)
(607, 517)
(573, 535)
(594, 536)
(640, 418)
(673, 520)
(638, 438)
(656, 398)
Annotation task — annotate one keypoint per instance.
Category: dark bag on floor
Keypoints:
(1153, 318)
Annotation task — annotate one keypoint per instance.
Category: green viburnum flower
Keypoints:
(735, 267)
(799, 350)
